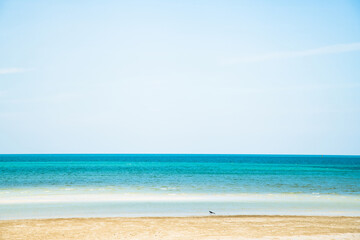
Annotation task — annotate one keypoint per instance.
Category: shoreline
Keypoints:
(195, 227)
(174, 205)
(187, 216)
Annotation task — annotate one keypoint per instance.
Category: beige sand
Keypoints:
(212, 227)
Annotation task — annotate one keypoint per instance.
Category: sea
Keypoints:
(141, 185)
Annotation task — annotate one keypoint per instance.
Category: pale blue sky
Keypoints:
(180, 77)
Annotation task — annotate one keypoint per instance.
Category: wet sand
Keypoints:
(212, 227)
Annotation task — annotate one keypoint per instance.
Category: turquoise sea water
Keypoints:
(35, 186)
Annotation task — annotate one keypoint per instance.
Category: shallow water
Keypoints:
(176, 185)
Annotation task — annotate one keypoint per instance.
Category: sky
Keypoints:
(231, 77)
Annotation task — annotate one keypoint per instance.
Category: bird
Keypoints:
(211, 212)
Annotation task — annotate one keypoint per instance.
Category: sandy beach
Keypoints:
(212, 227)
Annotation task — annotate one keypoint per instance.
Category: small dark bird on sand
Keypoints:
(211, 212)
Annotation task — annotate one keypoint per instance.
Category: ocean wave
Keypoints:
(177, 197)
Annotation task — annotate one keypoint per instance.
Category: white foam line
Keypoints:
(74, 198)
